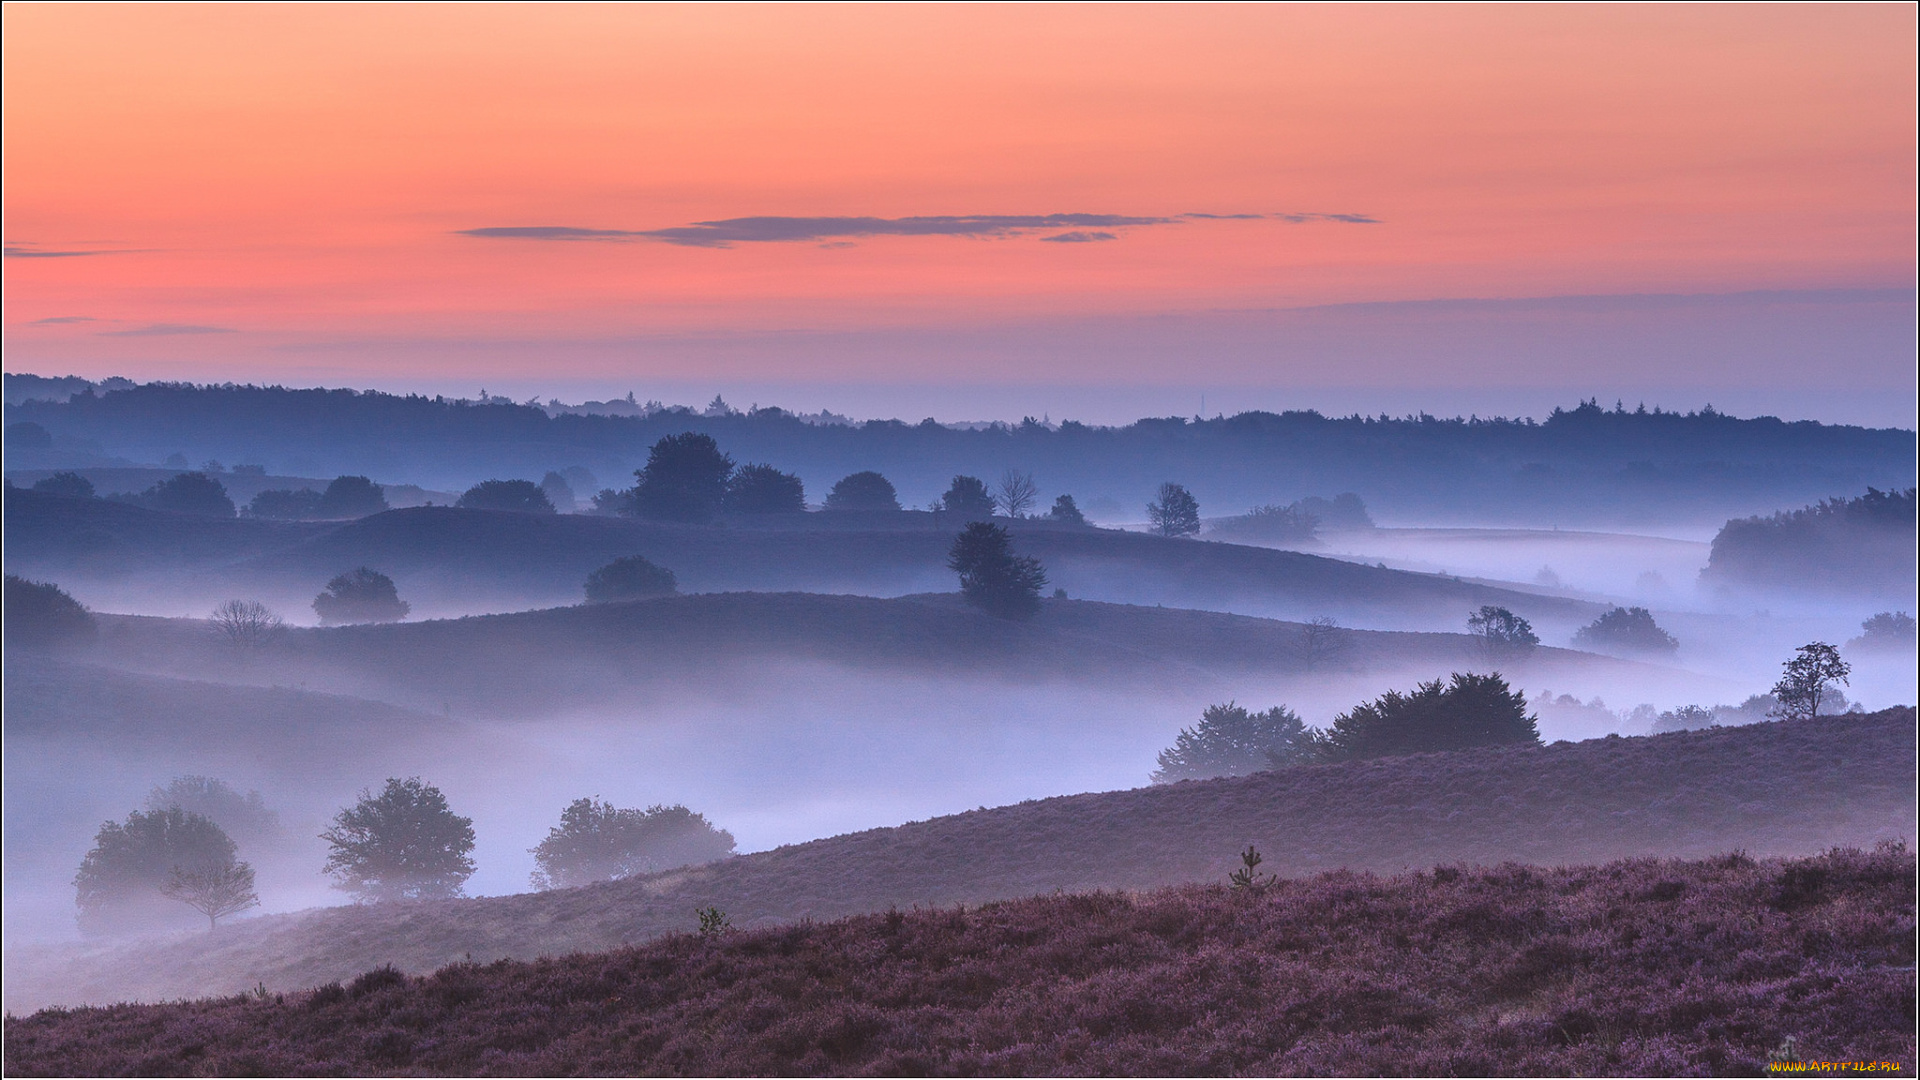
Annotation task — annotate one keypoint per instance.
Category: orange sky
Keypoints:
(296, 177)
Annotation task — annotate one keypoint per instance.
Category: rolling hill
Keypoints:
(1849, 781)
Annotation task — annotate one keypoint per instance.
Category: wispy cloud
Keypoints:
(29, 251)
(58, 320)
(167, 330)
(1077, 237)
(727, 232)
(1349, 219)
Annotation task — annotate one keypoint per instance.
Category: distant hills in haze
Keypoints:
(1587, 465)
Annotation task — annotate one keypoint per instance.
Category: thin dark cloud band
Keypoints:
(725, 233)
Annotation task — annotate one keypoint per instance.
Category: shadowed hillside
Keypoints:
(1776, 788)
(1631, 968)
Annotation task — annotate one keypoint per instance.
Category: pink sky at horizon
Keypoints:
(274, 193)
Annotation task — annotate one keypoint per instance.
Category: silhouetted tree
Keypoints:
(1470, 711)
(523, 496)
(70, 484)
(285, 504)
(1065, 512)
(1499, 634)
(42, 614)
(1017, 493)
(1230, 741)
(247, 624)
(685, 479)
(992, 577)
(363, 595)
(1174, 511)
(215, 890)
(402, 844)
(629, 578)
(1804, 680)
(352, 497)
(1321, 643)
(120, 878)
(763, 489)
(191, 493)
(596, 841)
(863, 492)
(967, 498)
(1629, 630)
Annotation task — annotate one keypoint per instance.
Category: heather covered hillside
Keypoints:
(1586, 464)
(1637, 967)
(1685, 795)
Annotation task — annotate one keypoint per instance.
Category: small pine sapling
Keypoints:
(1246, 878)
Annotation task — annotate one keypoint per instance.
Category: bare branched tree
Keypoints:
(1017, 493)
(248, 624)
(215, 890)
(1322, 643)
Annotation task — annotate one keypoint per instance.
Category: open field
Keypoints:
(1637, 967)
(1768, 789)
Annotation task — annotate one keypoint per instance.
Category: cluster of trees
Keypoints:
(1629, 630)
(629, 578)
(1298, 520)
(361, 595)
(41, 615)
(1498, 634)
(1464, 712)
(345, 497)
(403, 842)
(1864, 542)
(199, 494)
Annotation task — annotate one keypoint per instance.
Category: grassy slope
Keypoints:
(1632, 968)
(526, 662)
(1778, 788)
(544, 558)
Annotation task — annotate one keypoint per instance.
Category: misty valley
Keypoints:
(340, 700)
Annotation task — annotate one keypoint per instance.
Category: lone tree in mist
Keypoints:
(629, 578)
(520, 496)
(402, 844)
(967, 498)
(1469, 711)
(1230, 741)
(1174, 511)
(247, 624)
(992, 577)
(763, 489)
(1321, 644)
(215, 890)
(1805, 678)
(597, 841)
(351, 497)
(685, 479)
(42, 614)
(1499, 634)
(70, 484)
(363, 595)
(1017, 493)
(864, 492)
(1064, 512)
(120, 880)
(246, 818)
(1628, 630)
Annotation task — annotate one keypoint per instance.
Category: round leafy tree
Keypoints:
(191, 493)
(42, 614)
(1627, 630)
(967, 497)
(1230, 741)
(863, 492)
(1500, 634)
(246, 818)
(631, 578)
(360, 596)
(1174, 511)
(70, 484)
(1065, 512)
(351, 497)
(596, 841)
(285, 504)
(1469, 711)
(523, 496)
(685, 479)
(1888, 631)
(119, 884)
(1805, 678)
(402, 844)
(763, 489)
(992, 577)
